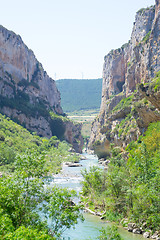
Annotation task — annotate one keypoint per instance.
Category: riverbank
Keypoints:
(130, 227)
(71, 178)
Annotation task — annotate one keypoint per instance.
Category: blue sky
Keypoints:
(71, 37)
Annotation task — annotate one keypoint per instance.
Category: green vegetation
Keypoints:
(21, 103)
(146, 38)
(125, 126)
(155, 84)
(142, 10)
(124, 45)
(130, 187)
(125, 102)
(80, 94)
(25, 83)
(14, 139)
(129, 64)
(26, 202)
(111, 233)
(57, 125)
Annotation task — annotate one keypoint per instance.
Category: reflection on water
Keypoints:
(71, 178)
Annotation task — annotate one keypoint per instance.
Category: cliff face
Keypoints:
(27, 93)
(125, 67)
(134, 63)
(19, 66)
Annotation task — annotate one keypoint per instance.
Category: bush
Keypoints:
(7, 155)
(111, 233)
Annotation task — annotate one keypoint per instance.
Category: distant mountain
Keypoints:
(79, 94)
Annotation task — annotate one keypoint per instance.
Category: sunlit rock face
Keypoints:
(124, 68)
(19, 67)
(27, 93)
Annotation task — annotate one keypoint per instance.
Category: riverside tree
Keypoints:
(130, 188)
(26, 203)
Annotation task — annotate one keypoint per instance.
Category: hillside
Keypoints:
(80, 94)
(15, 139)
(27, 165)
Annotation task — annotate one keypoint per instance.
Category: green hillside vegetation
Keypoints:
(14, 139)
(130, 187)
(80, 94)
(26, 200)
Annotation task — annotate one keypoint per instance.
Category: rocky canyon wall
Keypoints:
(134, 63)
(28, 94)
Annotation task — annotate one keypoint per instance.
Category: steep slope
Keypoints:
(134, 63)
(28, 95)
(80, 94)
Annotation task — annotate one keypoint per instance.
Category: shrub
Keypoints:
(146, 38)
(125, 102)
(111, 233)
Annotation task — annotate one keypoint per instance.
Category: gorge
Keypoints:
(125, 136)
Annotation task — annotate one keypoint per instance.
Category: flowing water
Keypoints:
(71, 178)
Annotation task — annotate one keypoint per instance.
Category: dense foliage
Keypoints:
(16, 139)
(57, 125)
(79, 94)
(131, 185)
(27, 201)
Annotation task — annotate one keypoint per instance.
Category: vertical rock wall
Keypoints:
(124, 68)
(28, 94)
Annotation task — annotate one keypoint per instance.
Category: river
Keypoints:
(71, 177)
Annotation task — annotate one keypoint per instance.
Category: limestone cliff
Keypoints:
(134, 63)
(27, 94)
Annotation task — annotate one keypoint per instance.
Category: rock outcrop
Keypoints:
(28, 94)
(134, 63)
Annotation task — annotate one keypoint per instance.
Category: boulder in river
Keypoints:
(155, 235)
(146, 234)
(74, 165)
(83, 157)
(137, 231)
(131, 226)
